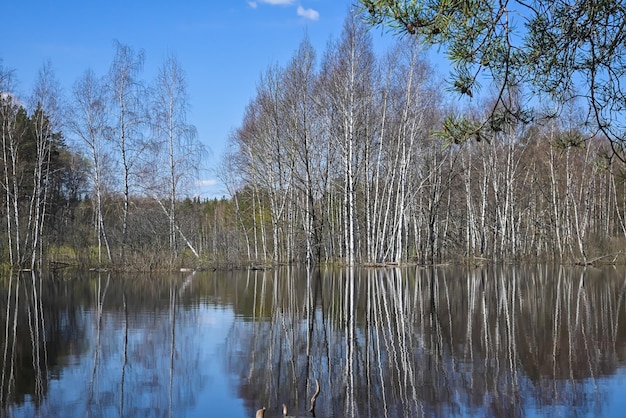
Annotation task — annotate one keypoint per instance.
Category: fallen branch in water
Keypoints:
(590, 262)
(315, 395)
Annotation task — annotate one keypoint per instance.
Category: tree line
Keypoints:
(351, 157)
(96, 176)
(355, 160)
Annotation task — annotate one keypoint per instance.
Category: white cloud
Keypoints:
(278, 2)
(206, 183)
(308, 13)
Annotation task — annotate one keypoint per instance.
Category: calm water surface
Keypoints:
(493, 341)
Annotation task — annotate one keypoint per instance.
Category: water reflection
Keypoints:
(505, 341)
(497, 341)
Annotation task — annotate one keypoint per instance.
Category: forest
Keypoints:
(344, 156)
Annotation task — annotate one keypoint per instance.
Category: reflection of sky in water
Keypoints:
(609, 393)
(616, 393)
(217, 398)
(200, 386)
(238, 350)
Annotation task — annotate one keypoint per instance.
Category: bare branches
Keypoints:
(552, 52)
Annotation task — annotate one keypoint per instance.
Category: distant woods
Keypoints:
(339, 157)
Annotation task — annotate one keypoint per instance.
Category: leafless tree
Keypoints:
(347, 73)
(45, 101)
(126, 92)
(9, 108)
(89, 123)
(308, 145)
(181, 150)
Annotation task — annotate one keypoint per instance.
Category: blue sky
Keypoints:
(223, 46)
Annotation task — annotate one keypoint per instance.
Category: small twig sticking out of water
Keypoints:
(314, 398)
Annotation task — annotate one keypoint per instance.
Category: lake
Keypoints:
(499, 341)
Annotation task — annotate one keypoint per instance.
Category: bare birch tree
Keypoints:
(45, 100)
(126, 95)
(88, 122)
(178, 138)
(347, 73)
(409, 103)
(10, 111)
(309, 148)
(266, 158)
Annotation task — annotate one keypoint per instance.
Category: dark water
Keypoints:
(497, 341)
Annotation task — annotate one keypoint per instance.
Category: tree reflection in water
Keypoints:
(26, 348)
(497, 341)
(492, 341)
(113, 346)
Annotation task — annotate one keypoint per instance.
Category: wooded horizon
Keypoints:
(338, 158)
